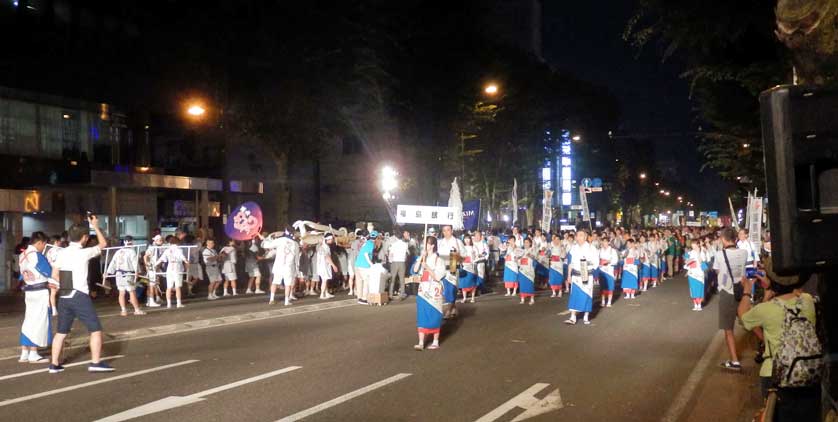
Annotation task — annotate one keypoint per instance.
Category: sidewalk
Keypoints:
(721, 395)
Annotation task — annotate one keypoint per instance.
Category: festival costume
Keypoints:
(481, 253)
(449, 283)
(286, 256)
(556, 257)
(510, 268)
(607, 269)
(36, 272)
(123, 266)
(174, 258)
(468, 276)
(629, 282)
(228, 268)
(581, 293)
(694, 262)
(211, 263)
(429, 300)
(526, 273)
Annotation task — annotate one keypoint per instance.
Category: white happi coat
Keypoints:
(36, 317)
(481, 253)
(123, 265)
(286, 258)
(175, 259)
(557, 256)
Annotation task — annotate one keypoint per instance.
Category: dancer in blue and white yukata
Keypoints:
(583, 258)
(468, 274)
(556, 254)
(510, 267)
(448, 245)
(608, 260)
(695, 265)
(429, 300)
(526, 272)
(631, 258)
(36, 273)
(481, 253)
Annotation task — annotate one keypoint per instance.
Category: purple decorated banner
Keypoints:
(245, 222)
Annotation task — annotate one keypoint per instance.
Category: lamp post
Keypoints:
(389, 184)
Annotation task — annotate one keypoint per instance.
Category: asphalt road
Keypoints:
(357, 363)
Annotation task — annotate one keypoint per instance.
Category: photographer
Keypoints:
(729, 265)
(71, 267)
(797, 404)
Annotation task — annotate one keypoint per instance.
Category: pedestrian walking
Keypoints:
(212, 264)
(429, 298)
(468, 275)
(583, 258)
(36, 272)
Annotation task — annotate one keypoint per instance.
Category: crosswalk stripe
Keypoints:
(44, 370)
(342, 399)
(92, 383)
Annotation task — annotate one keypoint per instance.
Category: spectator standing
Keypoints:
(397, 256)
(729, 265)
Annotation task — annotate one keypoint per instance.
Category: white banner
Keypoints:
(421, 214)
(755, 222)
(547, 212)
(693, 223)
(514, 200)
(586, 214)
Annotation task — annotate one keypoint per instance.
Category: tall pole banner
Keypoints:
(514, 200)
(734, 221)
(755, 222)
(547, 212)
(471, 215)
(583, 198)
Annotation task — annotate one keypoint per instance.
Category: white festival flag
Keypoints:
(455, 202)
(547, 212)
(514, 200)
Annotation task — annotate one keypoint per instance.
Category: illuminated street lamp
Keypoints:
(491, 89)
(576, 138)
(642, 175)
(389, 180)
(662, 192)
(196, 110)
(667, 193)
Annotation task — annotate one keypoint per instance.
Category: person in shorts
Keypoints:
(729, 265)
(211, 263)
(71, 265)
(123, 267)
(176, 263)
(228, 267)
(251, 267)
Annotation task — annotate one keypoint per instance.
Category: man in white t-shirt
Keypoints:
(71, 266)
(729, 264)
(397, 257)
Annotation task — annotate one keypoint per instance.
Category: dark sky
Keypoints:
(586, 39)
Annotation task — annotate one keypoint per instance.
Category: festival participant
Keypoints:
(468, 276)
(447, 246)
(196, 273)
(429, 300)
(556, 254)
(608, 259)
(72, 264)
(154, 277)
(695, 263)
(654, 259)
(397, 254)
(56, 244)
(251, 267)
(481, 253)
(352, 256)
(526, 272)
(211, 263)
(542, 262)
(631, 257)
(286, 258)
(324, 266)
(176, 263)
(645, 267)
(363, 266)
(306, 269)
(228, 267)
(123, 267)
(583, 258)
(37, 282)
(518, 237)
(510, 268)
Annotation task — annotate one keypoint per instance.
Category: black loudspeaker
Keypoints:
(800, 136)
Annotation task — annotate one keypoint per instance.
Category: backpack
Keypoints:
(798, 362)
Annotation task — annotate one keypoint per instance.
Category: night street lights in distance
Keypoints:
(643, 176)
(491, 89)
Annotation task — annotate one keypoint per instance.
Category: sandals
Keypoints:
(731, 366)
(418, 347)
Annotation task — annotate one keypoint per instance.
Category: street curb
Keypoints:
(82, 341)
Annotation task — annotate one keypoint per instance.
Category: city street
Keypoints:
(500, 361)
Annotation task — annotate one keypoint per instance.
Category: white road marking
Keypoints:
(342, 399)
(172, 402)
(91, 383)
(688, 389)
(44, 370)
(532, 406)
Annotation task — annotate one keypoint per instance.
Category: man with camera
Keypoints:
(70, 268)
(729, 265)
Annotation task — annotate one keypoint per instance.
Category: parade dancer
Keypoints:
(51, 253)
(510, 268)
(175, 265)
(211, 263)
(36, 272)
(526, 272)
(196, 273)
(286, 260)
(694, 262)
(645, 268)
(429, 298)
(123, 267)
(449, 246)
(608, 260)
(468, 276)
(654, 260)
(228, 267)
(583, 258)
(556, 254)
(151, 255)
(631, 257)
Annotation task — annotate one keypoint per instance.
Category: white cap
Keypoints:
(156, 238)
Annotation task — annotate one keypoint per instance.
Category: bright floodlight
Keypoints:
(389, 181)
(642, 175)
(506, 218)
(577, 138)
(196, 110)
(491, 89)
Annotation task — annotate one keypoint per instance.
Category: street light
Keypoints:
(642, 175)
(389, 180)
(196, 110)
(576, 138)
(491, 89)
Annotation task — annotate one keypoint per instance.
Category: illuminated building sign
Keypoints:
(566, 172)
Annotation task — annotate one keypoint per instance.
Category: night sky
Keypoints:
(586, 39)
